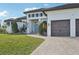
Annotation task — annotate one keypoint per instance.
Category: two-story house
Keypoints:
(21, 21)
(61, 20)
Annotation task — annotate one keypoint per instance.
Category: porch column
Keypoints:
(9, 28)
(73, 27)
(38, 21)
(48, 28)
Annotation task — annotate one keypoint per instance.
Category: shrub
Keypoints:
(4, 26)
(3, 31)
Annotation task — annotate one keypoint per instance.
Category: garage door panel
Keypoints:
(60, 28)
(77, 27)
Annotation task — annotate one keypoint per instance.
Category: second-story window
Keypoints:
(29, 15)
(41, 14)
(32, 15)
(37, 15)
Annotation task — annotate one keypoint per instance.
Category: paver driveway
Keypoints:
(58, 46)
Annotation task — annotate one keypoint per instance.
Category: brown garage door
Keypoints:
(60, 28)
(77, 27)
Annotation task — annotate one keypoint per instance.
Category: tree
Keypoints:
(4, 26)
(14, 27)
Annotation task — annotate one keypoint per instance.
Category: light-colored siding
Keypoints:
(64, 14)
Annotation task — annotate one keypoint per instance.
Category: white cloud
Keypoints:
(33, 8)
(3, 13)
(46, 4)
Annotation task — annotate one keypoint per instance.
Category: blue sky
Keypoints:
(8, 10)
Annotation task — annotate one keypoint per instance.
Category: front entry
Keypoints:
(34, 27)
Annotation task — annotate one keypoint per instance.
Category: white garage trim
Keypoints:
(73, 27)
(49, 28)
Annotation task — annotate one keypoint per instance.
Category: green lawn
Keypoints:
(18, 44)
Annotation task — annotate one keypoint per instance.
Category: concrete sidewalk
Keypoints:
(37, 36)
(58, 46)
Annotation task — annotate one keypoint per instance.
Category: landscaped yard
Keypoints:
(18, 44)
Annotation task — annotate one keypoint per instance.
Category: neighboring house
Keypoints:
(21, 21)
(61, 20)
(9, 25)
(0, 23)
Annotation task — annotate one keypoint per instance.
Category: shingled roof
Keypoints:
(9, 20)
(19, 19)
(65, 6)
(36, 10)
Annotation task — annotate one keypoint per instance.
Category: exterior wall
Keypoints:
(29, 24)
(65, 14)
(35, 17)
(9, 29)
(24, 20)
(20, 24)
(41, 20)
